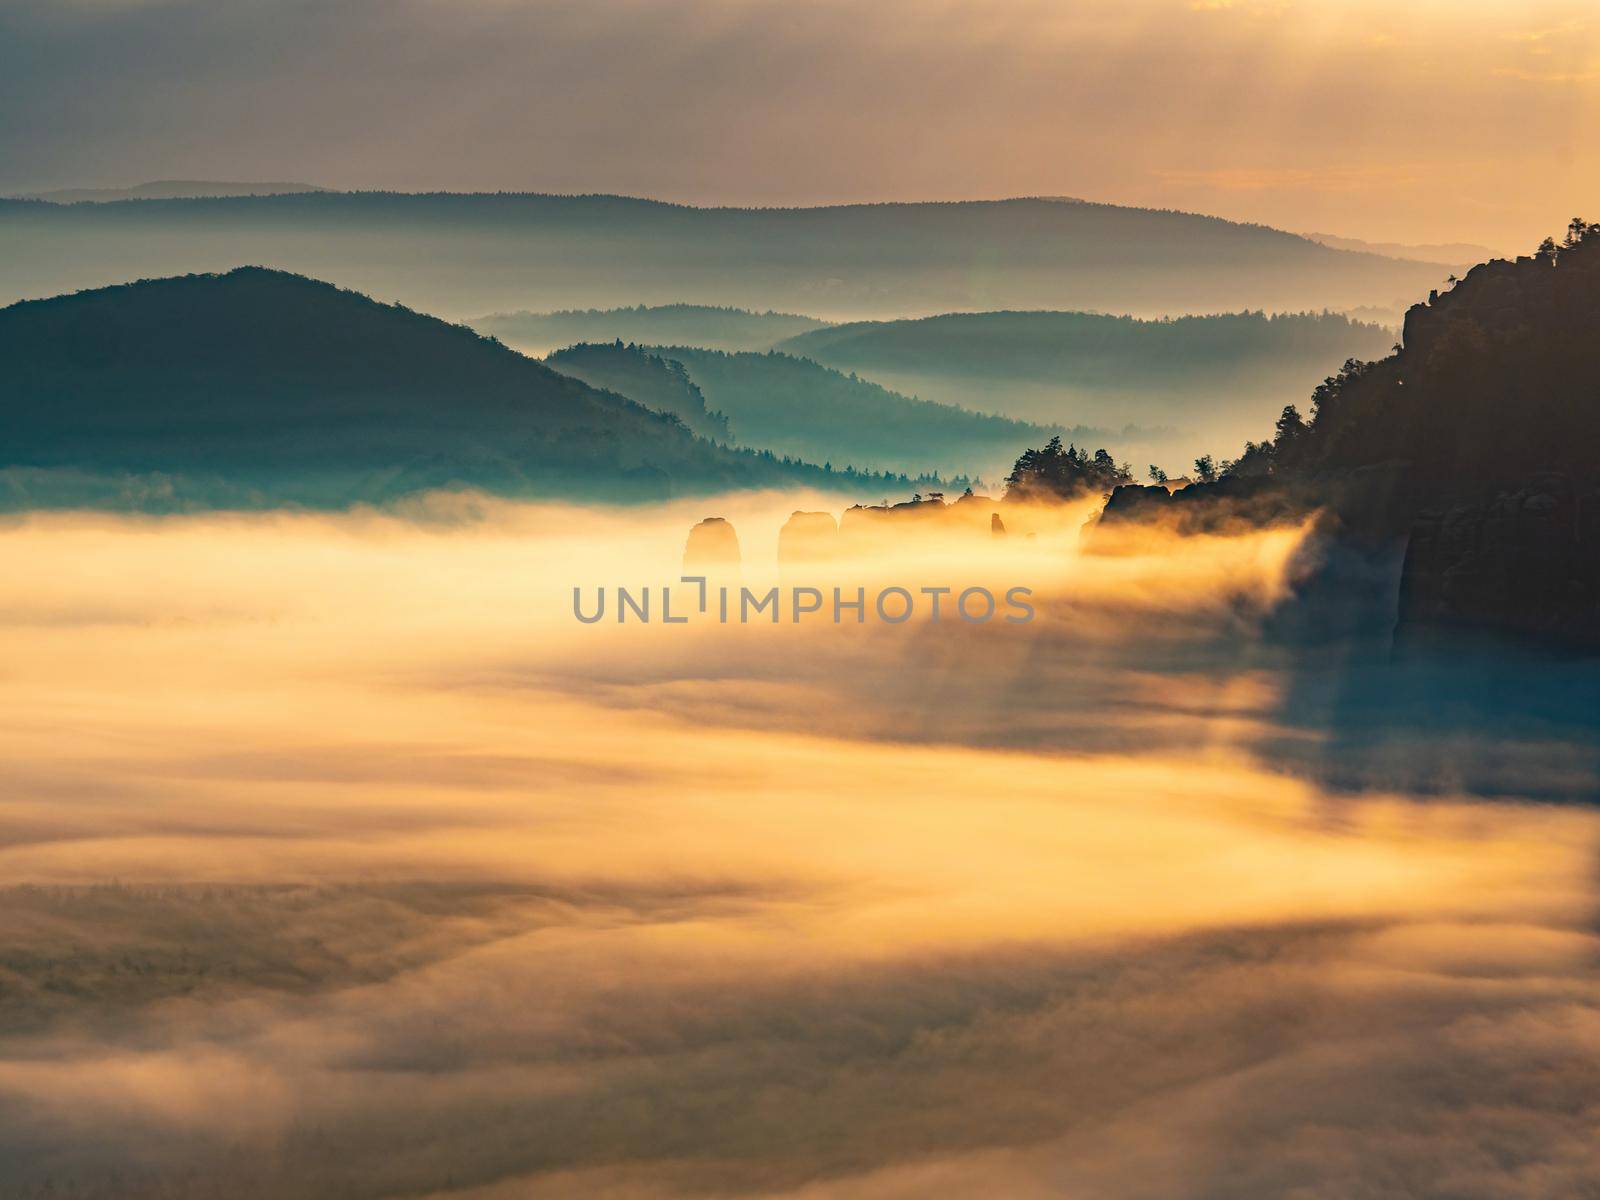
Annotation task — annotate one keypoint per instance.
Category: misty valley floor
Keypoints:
(337, 859)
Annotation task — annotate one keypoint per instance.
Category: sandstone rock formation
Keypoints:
(808, 537)
(713, 546)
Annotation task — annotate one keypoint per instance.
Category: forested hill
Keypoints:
(1089, 348)
(262, 387)
(470, 254)
(798, 407)
(1499, 377)
(649, 379)
(712, 326)
(1477, 444)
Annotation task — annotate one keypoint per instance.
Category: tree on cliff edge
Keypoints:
(1064, 473)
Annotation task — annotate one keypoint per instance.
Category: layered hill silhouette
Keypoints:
(1204, 378)
(469, 254)
(710, 326)
(170, 189)
(646, 378)
(1454, 254)
(260, 387)
(1090, 349)
(801, 408)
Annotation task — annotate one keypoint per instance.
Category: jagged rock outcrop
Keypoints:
(713, 545)
(905, 514)
(1222, 507)
(978, 512)
(1136, 502)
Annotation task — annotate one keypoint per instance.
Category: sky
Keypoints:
(1425, 122)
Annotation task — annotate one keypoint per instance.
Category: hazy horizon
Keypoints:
(423, 889)
(139, 190)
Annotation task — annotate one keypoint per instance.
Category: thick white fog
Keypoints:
(342, 861)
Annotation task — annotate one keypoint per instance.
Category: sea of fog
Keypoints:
(338, 859)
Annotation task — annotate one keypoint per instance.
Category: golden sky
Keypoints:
(1429, 121)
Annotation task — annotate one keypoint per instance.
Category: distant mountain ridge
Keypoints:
(1450, 254)
(169, 189)
(469, 254)
(259, 387)
(714, 327)
(1045, 346)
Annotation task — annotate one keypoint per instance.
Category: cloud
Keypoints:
(357, 868)
(1561, 31)
(1250, 8)
(656, 1060)
(1555, 76)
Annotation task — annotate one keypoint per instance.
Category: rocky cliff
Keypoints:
(1524, 564)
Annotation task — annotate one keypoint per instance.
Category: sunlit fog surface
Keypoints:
(341, 860)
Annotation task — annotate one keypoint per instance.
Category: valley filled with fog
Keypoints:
(343, 861)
